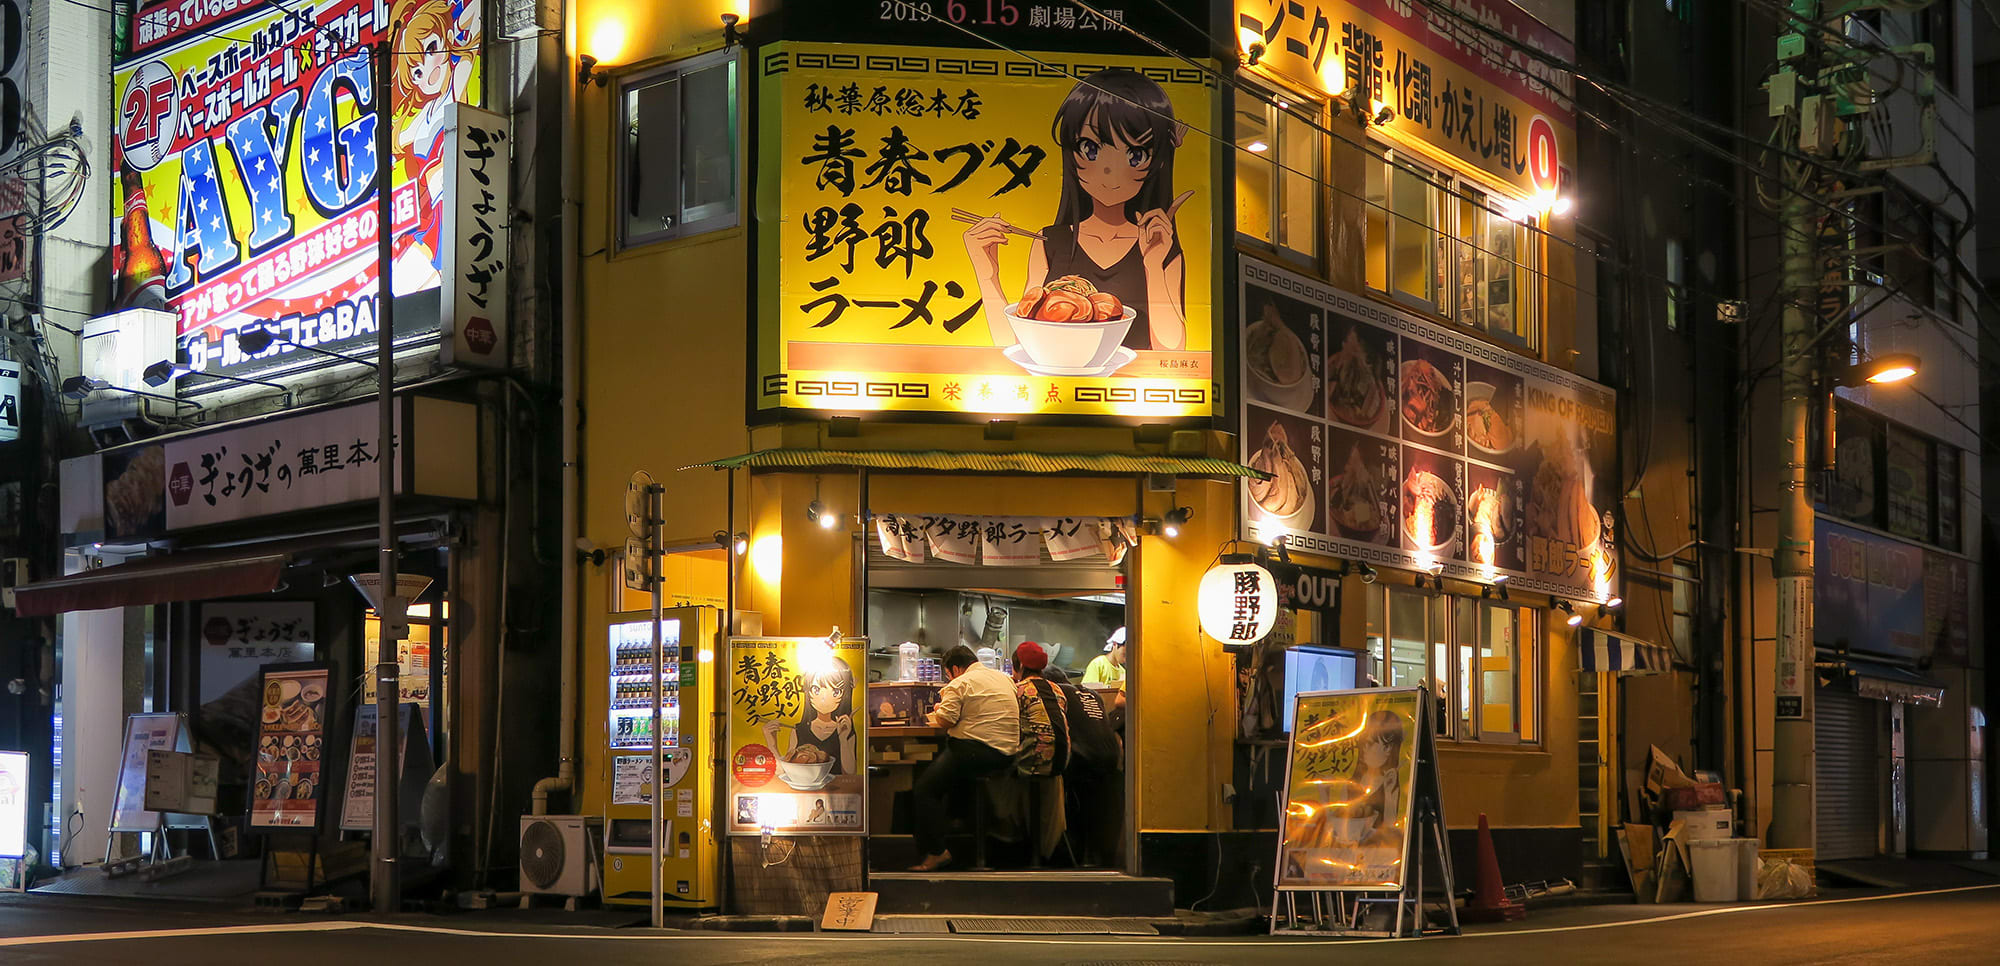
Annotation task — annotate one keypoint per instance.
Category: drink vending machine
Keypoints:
(620, 755)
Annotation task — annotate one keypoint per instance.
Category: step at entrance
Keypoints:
(1045, 893)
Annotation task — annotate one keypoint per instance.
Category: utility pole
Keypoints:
(385, 884)
(1792, 753)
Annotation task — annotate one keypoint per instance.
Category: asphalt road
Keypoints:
(1937, 929)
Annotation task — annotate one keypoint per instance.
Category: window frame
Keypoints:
(1447, 194)
(622, 149)
(1526, 657)
(1306, 117)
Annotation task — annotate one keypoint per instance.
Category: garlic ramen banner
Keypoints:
(1394, 440)
(972, 231)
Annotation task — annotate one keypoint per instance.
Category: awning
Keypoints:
(152, 581)
(1602, 650)
(950, 461)
(1887, 682)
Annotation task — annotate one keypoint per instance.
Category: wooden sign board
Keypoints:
(849, 911)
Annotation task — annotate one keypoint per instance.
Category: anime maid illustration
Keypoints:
(1114, 225)
(436, 42)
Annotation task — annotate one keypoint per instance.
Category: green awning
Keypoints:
(951, 461)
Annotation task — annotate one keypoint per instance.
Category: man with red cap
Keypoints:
(1043, 714)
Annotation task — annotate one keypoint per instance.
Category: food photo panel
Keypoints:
(1493, 518)
(1362, 486)
(1433, 503)
(1431, 384)
(1494, 413)
(1284, 352)
(1361, 375)
(1292, 449)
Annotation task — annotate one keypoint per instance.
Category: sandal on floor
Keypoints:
(932, 863)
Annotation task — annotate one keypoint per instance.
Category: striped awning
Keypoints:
(952, 461)
(1602, 650)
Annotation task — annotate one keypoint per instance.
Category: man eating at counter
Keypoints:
(982, 718)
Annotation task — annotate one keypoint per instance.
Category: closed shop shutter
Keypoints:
(1847, 801)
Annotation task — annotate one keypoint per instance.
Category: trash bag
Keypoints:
(1783, 879)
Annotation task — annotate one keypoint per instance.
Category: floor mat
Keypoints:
(937, 925)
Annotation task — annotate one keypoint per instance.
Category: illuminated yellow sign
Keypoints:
(981, 232)
(1458, 78)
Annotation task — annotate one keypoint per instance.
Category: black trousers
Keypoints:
(962, 763)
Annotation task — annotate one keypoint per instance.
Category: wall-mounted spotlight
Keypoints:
(1253, 54)
(162, 372)
(1385, 114)
(1170, 525)
(77, 387)
(587, 72)
(730, 37)
(1368, 574)
(818, 513)
(1574, 619)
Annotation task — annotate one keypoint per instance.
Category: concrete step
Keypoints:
(1039, 893)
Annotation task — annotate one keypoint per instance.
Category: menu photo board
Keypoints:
(1350, 790)
(797, 735)
(291, 733)
(937, 240)
(1397, 441)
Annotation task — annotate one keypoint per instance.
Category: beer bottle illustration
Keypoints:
(142, 270)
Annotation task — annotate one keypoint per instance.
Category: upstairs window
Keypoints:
(677, 150)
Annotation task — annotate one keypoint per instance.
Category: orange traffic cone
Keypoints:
(1489, 896)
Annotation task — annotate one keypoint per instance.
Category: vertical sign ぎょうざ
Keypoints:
(475, 266)
(797, 735)
(981, 232)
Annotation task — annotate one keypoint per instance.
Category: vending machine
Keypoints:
(622, 752)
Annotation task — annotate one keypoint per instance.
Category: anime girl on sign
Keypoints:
(1111, 264)
(436, 44)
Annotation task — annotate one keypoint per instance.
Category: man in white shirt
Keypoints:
(982, 718)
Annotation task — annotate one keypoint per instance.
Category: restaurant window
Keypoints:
(1476, 656)
(1452, 249)
(677, 150)
(1278, 171)
(1910, 483)
(1947, 496)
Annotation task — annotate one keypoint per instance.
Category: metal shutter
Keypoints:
(1847, 801)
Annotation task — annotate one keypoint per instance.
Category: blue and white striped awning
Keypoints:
(1602, 650)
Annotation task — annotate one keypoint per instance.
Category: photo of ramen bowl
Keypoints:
(1430, 511)
(1070, 345)
(1276, 360)
(1430, 405)
(1486, 426)
(805, 776)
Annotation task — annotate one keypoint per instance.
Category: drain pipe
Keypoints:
(564, 779)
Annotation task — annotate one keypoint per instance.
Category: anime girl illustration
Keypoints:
(436, 44)
(1114, 223)
(1352, 825)
(825, 731)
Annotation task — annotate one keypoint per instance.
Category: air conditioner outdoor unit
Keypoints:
(559, 854)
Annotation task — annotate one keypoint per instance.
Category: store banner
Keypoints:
(317, 460)
(924, 222)
(475, 257)
(901, 537)
(1072, 538)
(1447, 79)
(1001, 541)
(1010, 542)
(1868, 592)
(245, 158)
(290, 776)
(1947, 623)
(953, 539)
(237, 638)
(797, 735)
(1350, 785)
(1396, 441)
(10, 401)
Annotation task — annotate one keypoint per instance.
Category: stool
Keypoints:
(1037, 785)
(982, 815)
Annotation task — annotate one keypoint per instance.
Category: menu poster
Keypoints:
(1350, 788)
(143, 733)
(357, 805)
(797, 742)
(628, 776)
(291, 730)
(1396, 440)
(14, 768)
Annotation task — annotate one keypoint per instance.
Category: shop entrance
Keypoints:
(1076, 613)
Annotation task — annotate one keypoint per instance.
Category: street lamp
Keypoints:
(1882, 370)
(256, 339)
(162, 372)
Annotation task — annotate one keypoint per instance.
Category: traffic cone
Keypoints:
(1489, 896)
